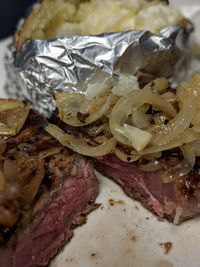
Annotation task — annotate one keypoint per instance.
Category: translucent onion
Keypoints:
(134, 101)
(188, 136)
(158, 85)
(126, 157)
(153, 165)
(195, 146)
(169, 97)
(72, 104)
(80, 146)
(182, 168)
(140, 119)
(177, 125)
(173, 123)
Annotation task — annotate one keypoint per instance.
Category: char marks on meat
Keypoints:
(176, 201)
(66, 195)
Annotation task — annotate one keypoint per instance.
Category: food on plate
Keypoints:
(51, 19)
(13, 114)
(176, 201)
(45, 191)
(149, 126)
(148, 140)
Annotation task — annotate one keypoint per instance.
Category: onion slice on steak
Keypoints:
(2, 146)
(76, 110)
(126, 157)
(147, 121)
(20, 180)
(12, 116)
(182, 168)
(133, 101)
(80, 146)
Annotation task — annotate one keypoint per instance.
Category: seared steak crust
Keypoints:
(65, 197)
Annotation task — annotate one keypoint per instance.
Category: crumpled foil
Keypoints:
(72, 63)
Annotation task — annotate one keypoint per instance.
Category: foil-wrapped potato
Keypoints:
(77, 45)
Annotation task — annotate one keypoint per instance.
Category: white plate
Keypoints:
(125, 234)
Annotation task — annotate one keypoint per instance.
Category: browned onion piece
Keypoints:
(72, 104)
(9, 214)
(158, 85)
(30, 173)
(31, 188)
(2, 146)
(7, 104)
(19, 185)
(2, 181)
(12, 117)
(10, 170)
(80, 146)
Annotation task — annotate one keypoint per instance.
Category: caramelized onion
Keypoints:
(12, 117)
(10, 170)
(9, 214)
(2, 181)
(158, 85)
(19, 184)
(168, 119)
(31, 188)
(2, 146)
(80, 146)
(72, 104)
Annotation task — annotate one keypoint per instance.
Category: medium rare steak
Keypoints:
(66, 195)
(176, 201)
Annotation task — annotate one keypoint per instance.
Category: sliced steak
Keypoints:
(176, 201)
(66, 195)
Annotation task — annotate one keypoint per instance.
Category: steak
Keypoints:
(176, 201)
(65, 196)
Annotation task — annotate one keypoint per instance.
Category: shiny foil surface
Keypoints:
(72, 63)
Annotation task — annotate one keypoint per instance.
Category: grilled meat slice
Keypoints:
(66, 195)
(176, 201)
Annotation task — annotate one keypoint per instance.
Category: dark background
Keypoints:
(10, 13)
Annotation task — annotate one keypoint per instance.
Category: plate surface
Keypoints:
(121, 232)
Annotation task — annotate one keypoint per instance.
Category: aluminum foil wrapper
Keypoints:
(73, 63)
